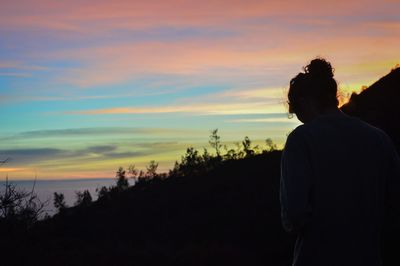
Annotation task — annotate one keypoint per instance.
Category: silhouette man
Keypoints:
(337, 173)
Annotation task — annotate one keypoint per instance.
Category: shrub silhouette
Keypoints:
(122, 180)
(271, 146)
(215, 142)
(19, 209)
(102, 192)
(133, 172)
(83, 198)
(152, 169)
(59, 202)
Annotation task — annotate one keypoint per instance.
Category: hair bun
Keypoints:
(319, 67)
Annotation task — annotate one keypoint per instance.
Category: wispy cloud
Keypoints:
(266, 118)
(11, 169)
(78, 15)
(56, 156)
(262, 120)
(267, 96)
(22, 156)
(205, 109)
(96, 131)
(220, 59)
(228, 102)
(19, 65)
(15, 74)
(18, 69)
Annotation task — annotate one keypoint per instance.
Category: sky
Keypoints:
(87, 86)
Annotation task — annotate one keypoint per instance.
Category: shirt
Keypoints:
(337, 172)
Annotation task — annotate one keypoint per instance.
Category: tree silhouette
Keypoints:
(122, 181)
(152, 169)
(59, 201)
(102, 192)
(271, 146)
(83, 198)
(190, 162)
(207, 158)
(215, 142)
(133, 172)
(20, 206)
(248, 151)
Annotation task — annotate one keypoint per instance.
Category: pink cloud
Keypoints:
(220, 58)
(255, 48)
(100, 15)
(19, 66)
(220, 108)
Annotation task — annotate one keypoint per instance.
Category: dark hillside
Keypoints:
(379, 105)
(230, 216)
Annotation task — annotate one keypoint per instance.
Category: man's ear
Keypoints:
(305, 102)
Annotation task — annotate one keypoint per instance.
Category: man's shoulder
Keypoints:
(298, 131)
(371, 133)
(353, 127)
(370, 129)
(297, 136)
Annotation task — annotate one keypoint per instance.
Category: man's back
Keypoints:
(334, 172)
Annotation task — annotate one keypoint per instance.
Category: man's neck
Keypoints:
(334, 111)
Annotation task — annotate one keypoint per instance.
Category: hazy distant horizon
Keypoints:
(45, 188)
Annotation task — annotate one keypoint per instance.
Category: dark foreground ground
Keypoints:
(230, 216)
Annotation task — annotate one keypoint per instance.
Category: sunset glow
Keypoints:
(88, 86)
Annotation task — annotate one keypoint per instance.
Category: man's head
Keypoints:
(314, 91)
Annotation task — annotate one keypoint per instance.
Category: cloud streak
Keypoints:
(92, 132)
(203, 109)
(79, 16)
(35, 156)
